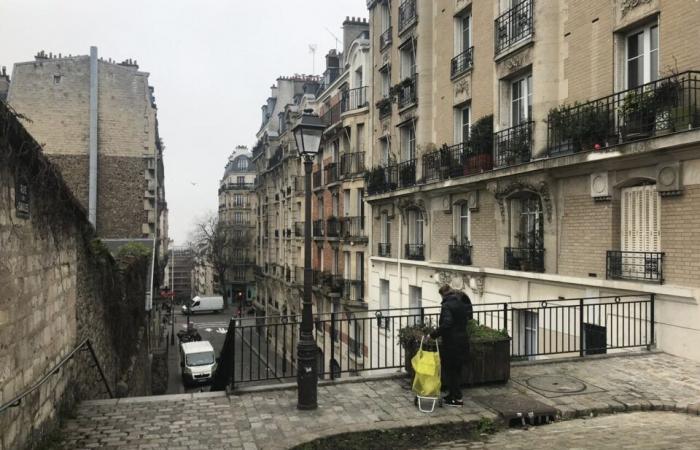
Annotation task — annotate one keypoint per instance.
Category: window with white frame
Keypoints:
(242, 163)
(521, 100)
(462, 225)
(385, 151)
(463, 33)
(408, 61)
(385, 75)
(462, 123)
(415, 227)
(408, 141)
(642, 56)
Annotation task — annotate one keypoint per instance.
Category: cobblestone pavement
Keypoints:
(270, 420)
(639, 431)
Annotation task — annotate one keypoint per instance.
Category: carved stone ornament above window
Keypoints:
(406, 204)
(460, 281)
(462, 87)
(542, 189)
(628, 5)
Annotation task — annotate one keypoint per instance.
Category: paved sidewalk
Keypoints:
(270, 420)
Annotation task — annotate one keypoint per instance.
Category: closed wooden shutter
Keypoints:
(640, 219)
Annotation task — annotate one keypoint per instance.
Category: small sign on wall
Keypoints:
(22, 210)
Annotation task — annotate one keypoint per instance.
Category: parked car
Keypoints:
(198, 362)
(204, 304)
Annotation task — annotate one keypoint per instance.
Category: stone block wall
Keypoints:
(486, 251)
(56, 289)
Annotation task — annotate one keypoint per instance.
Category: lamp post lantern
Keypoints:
(307, 134)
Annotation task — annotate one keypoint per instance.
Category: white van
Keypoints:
(198, 362)
(202, 304)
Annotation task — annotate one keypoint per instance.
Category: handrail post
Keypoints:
(652, 324)
(232, 328)
(99, 368)
(580, 329)
(332, 345)
(422, 315)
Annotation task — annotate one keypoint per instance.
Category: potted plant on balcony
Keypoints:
(479, 146)
(638, 114)
(579, 127)
(376, 180)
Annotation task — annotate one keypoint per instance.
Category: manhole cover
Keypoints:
(560, 384)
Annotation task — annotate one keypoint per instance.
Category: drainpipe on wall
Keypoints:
(92, 182)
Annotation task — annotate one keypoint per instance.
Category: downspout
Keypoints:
(92, 182)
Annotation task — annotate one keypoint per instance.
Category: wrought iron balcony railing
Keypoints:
(513, 26)
(460, 254)
(352, 164)
(352, 228)
(456, 161)
(318, 228)
(382, 179)
(332, 173)
(353, 290)
(407, 14)
(385, 39)
(462, 62)
(635, 266)
(332, 114)
(667, 105)
(332, 227)
(408, 91)
(524, 259)
(407, 173)
(353, 99)
(414, 252)
(513, 145)
(317, 179)
(384, 249)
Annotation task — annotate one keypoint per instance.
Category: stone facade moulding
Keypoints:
(407, 204)
(388, 208)
(461, 281)
(541, 189)
(462, 89)
(515, 63)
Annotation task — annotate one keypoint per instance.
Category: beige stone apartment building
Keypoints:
(237, 203)
(525, 150)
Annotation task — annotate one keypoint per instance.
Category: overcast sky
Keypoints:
(211, 62)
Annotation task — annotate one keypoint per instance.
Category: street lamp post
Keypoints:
(307, 134)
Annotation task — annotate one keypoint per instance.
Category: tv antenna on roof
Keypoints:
(337, 40)
(312, 50)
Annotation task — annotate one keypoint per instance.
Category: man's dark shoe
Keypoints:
(455, 403)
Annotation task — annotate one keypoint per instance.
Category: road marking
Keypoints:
(221, 330)
(208, 330)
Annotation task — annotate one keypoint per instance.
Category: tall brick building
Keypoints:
(97, 121)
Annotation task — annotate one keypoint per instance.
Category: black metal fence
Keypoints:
(352, 164)
(460, 254)
(353, 99)
(527, 259)
(636, 266)
(514, 25)
(462, 62)
(456, 161)
(264, 348)
(333, 227)
(384, 249)
(407, 14)
(332, 175)
(663, 106)
(415, 252)
(318, 230)
(332, 115)
(513, 145)
(407, 173)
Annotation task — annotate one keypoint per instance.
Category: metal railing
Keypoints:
(414, 252)
(354, 290)
(360, 342)
(385, 38)
(513, 26)
(332, 175)
(384, 106)
(407, 14)
(332, 114)
(318, 228)
(667, 105)
(456, 161)
(408, 91)
(236, 186)
(85, 345)
(460, 254)
(352, 227)
(317, 179)
(382, 179)
(333, 227)
(462, 62)
(524, 259)
(636, 266)
(513, 145)
(407, 173)
(353, 99)
(384, 249)
(352, 164)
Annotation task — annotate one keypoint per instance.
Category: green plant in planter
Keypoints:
(375, 179)
(639, 113)
(407, 174)
(579, 127)
(478, 332)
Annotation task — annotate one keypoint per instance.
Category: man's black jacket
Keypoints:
(452, 326)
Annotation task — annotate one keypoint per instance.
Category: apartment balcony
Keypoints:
(524, 259)
(299, 229)
(407, 14)
(317, 179)
(635, 266)
(385, 38)
(462, 62)
(236, 187)
(513, 26)
(407, 173)
(456, 161)
(352, 228)
(664, 106)
(353, 99)
(299, 184)
(352, 164)
(275, 159)
(407, 91)
(384, 249)
(332, 173)
(415, 252)
(513, 145)
(333, 227)
(318, 229)
(332, 115)
(384, 107)
(460, 254)
(354, 290)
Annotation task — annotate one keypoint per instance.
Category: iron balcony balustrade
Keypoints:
(460, 254)
(388, 178)
(317, 179)
(352, 228)
(635, 266)
(318, 229)
(352, 99)
(332, 115)
(332, 227)
(384, 107)
(524, 259)
(384, 249)
(408, 91)
(513, 145)
(332, 174)
(407, 14)
(354, 290)
(352, 164)
(667, 105)
(385, 38)
(414, 252)
(407, 173)
(236, 187)
(456, 161)
(513, 26)
(462, 62)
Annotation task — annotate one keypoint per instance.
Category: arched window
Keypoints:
(242, 163)
(526, 220)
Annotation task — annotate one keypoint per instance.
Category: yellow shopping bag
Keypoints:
(426, 364)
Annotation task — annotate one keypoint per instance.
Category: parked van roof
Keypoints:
(197, 346)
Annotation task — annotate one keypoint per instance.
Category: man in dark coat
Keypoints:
(452, 328)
